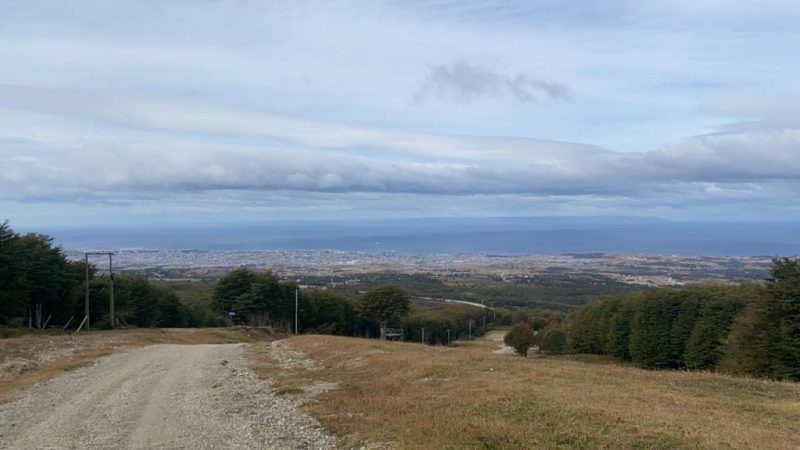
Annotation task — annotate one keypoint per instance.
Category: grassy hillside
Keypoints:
(467, 397)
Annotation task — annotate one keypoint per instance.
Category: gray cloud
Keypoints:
(464, 81)
(161, 145)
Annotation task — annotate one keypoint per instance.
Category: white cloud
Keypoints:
(154, 101)
(164, 145)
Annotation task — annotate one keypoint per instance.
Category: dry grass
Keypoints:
(466, 397)
(30, 359)
(48, 370)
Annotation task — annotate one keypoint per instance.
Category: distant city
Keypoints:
(487, 236)
(649, 270)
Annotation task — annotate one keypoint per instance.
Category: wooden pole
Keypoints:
(86, 321)
(111, 301)
(86, 306)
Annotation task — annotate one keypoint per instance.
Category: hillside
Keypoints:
(467, 397)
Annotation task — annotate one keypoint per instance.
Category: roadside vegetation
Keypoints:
(39, 287)
(750, 329)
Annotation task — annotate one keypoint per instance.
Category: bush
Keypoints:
(553, 340)
(520, 338)
(9, 332)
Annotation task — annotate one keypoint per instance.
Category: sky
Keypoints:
(199, 110)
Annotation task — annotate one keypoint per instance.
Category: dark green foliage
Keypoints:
(260, 299)
(328, 313)
(437, 319)
(520, 338)
(383, 306)
(704, 350)
(589, 327)
(753, 343)
(785, 288)
(140, 303)
(765, 338)
(697, 327)
(619, 330)
(650, 335)
(552, 340)
(257, 298)
(35, 272)
(535, 317)
(231, 288)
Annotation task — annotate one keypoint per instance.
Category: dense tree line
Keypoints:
(749, 329)
(261, 299)
(438, 319)
(35, 276)
(37, 282)
(765, 339)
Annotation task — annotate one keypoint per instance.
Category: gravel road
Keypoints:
(162, 396)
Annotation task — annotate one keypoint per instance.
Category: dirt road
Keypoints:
(497, 336)
(162, 396)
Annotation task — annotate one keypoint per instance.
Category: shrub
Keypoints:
(520, 338)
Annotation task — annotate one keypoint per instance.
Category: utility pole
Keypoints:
(423, 335)
(448, 337)
(295, 310)
(111, 300)
(112, 314)
(470, 328)
(86, 306)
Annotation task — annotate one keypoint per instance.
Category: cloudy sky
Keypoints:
(193, 110)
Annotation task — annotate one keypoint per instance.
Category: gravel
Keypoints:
(162, 396)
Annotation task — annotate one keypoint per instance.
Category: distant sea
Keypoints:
(494, 236)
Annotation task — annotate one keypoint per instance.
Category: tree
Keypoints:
(553, 339)
(520, 338)
(327, 313)
(719, 307)
(34, 276)
(785, 288)
(661, 328)
(754, 340)
(384, 305)
(619, 331)
(231, 288)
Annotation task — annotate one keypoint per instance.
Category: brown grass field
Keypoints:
(415, 396)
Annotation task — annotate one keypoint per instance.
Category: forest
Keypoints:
(748, 329)
(40, 288)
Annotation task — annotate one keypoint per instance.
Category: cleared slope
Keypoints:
(467, 397)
